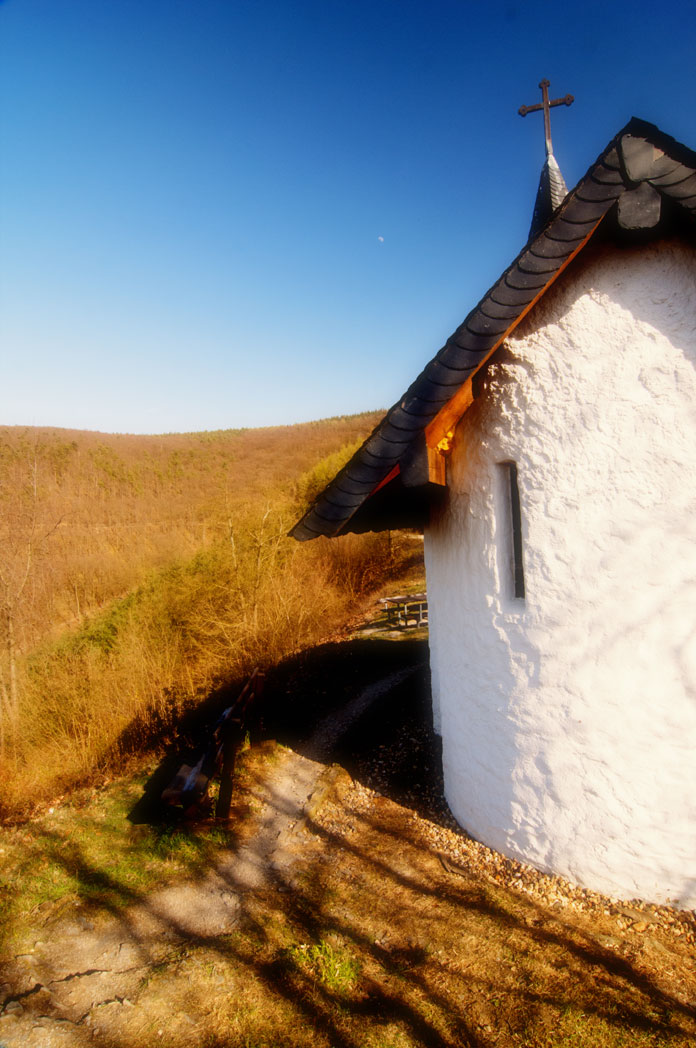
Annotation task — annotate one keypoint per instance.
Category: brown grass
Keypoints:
(96, 512)
(140, 572)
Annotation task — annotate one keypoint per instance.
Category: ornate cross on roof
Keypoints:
(545, 104)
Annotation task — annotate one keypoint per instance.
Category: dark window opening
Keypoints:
(515, 529)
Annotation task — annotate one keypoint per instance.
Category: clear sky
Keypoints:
(221, 213)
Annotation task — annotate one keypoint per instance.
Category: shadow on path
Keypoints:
(366, 705)
(362, 703)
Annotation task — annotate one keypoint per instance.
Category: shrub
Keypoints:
(111, 685)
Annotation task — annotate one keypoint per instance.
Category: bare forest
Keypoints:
(138, 572)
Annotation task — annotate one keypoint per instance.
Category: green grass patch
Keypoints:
(332, 966)
(85, 852)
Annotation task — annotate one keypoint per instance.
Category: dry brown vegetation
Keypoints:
(137, 572)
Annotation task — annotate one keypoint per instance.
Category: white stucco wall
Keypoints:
(569, 718)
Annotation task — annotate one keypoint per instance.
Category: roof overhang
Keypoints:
(642, 176)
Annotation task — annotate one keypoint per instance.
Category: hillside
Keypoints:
(137, 572)
(101, 509)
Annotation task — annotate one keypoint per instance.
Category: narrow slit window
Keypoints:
(517, 566)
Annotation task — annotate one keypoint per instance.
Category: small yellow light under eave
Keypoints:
(444, 446)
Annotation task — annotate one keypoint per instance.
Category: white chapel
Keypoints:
(548, 452)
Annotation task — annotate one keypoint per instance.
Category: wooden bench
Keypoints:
(189, 787)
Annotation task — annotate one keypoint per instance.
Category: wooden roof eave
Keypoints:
(451, 413)
(438, 431)
(426, 416)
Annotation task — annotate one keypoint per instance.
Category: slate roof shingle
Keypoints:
(639, 156)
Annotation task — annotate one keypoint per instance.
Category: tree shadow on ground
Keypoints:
(390, 746)
(363, 938)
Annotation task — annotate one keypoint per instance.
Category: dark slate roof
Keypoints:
(551, 193)
(638, 169)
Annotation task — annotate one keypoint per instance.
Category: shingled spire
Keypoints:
(552, 188)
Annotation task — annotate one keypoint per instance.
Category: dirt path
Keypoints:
(82, 978)
(343, 919)
(331, 729)
(80, 981)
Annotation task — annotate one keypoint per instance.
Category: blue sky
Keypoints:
(218, 214)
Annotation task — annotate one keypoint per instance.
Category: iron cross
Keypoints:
(545, 104)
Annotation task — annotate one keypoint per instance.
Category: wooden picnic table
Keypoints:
(406, 610)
